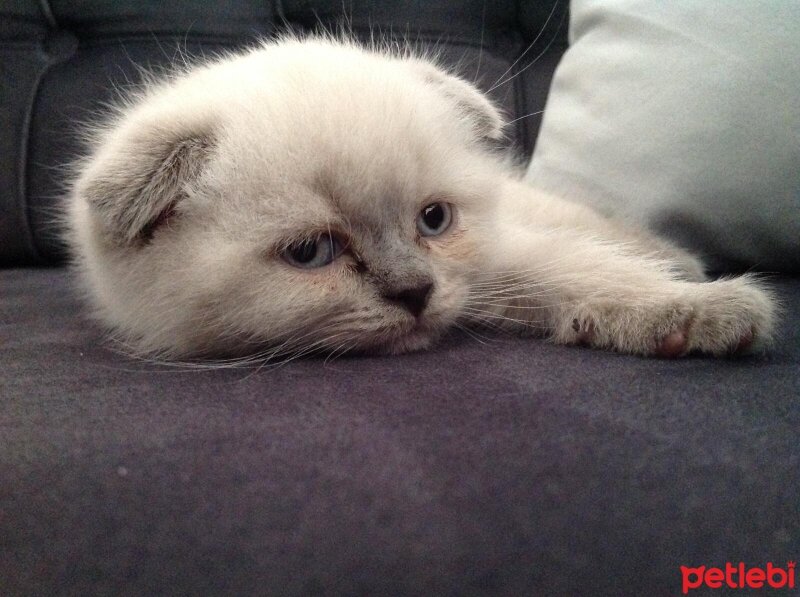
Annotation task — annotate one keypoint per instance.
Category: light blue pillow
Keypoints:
(684, 116)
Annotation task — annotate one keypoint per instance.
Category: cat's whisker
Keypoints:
(515, 306)
(497, 83)
(532, 291)
(500, 307)
(306, 350)
(340, 350)
(538, 57)
(528, 288)
(520, 292)
(480, 47)
(525, 116)
(472, 333)
(286, 348)
(499, 317)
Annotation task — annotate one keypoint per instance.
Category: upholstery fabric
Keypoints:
(510, 467)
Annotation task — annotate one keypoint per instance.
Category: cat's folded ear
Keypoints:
(140, 172)
(467, 99)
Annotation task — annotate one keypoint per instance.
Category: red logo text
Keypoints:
(738, 577)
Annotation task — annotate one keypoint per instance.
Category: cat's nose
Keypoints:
(414, 298)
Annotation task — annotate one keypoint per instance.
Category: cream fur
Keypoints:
(189, 194)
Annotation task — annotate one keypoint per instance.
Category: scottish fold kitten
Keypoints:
(314, 194)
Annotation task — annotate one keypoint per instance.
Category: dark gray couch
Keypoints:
(492, 467)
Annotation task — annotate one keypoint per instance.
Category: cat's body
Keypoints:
(316, 195)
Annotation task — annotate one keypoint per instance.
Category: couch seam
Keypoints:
(47, 12)
(23, 169)
(30, 247)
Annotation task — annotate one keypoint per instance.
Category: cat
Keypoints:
(315, 194)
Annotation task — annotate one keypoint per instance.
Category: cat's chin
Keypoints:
(416, 335)
(414, 341)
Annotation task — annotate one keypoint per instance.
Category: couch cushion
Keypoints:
(683, 116)
(498, 467)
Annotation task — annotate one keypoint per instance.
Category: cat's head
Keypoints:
(309, 194)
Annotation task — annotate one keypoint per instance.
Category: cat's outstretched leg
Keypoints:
(580, 288)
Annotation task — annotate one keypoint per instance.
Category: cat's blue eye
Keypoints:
(434, 219)
(313, 252)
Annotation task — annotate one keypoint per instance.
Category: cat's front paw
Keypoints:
(719, 318)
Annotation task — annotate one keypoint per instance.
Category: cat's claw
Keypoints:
(584, 334)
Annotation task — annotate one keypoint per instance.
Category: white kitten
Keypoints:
(312, 194)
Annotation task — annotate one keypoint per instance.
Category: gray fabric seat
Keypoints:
(484, 466)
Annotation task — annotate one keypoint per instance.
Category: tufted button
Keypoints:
(60, 45)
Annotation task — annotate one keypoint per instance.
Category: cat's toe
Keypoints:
(673, 345)
(737, 316)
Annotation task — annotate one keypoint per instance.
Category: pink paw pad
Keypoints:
(672, 345)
